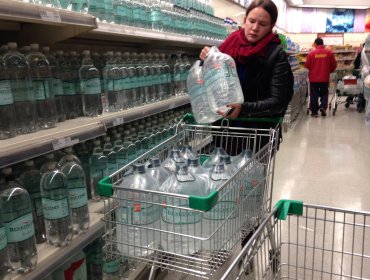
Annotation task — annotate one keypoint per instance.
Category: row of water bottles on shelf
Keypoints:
(39, 88)
(190, 17)
(181, 173)
(46, 199)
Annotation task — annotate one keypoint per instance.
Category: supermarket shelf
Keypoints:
(115, 32)
(71, 132)
(51, 258)
(36, 23)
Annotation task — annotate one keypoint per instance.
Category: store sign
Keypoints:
(332, 39)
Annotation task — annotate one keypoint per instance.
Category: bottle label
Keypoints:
(91, 86)
(55, 209)
(177, 77)
(222, 210)
(20, 229)
(230, 69)
(180, 216)
(57, 87)
(110, 85)
(68, 88)
(6, 97)
(166, 20)
(122, 11)
(3, 239)
(41, 89)
(137, 14)
(21, 91)
(138, 213)
(111, 266)
(77, 197)
(156, 16)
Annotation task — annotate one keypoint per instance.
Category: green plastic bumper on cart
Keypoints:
(285, 207)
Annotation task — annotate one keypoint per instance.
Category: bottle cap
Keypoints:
(109, 53)
(106, 139)
(46, 49)
(34, 47)
(68, 150)
(138, 167)
(218, 168)
(225, 159)
(193, 161)
(181, 167)
(154, 162)
(7, 170)
(12, 45)
(29, 163)
(86, 52)
(50, 156)
(96, 142)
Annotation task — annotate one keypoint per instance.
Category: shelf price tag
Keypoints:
(63, 142)
(50, 16)
(118, 121)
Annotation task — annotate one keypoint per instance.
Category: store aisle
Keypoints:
(326, 161)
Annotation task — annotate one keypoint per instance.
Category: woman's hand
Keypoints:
(204, 53)
(234, 111)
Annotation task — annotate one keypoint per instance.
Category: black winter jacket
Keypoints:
(267, 84)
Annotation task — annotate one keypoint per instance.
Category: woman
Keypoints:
(263, 68)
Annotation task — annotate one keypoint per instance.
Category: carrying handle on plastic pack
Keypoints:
(285, 207)
(105, 187)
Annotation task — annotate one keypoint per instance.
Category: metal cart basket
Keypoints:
(148, 226)
(315, 242)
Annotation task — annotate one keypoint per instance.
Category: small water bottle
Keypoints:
(16, 212)
(5, 272)
(98, 169)
(77, 192)
(56, 204)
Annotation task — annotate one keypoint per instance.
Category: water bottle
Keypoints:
(173, 157)
(221, 81)
(75, 63)
(156, 16)
(69, 92)
(111, 155)
(94, 259)
(129, 146)
(90, 87)
(30, 180)
(56, 84)
(166, 76)
(4, 256)
(83, 154)
(8, 120)
(111, 74)
(22, 90)
(187, 152)
(113, 263)
(132, 80)
(16, 212)
(179, 73)
(197, 169)
(77, 192)
(56, 204)
(180, 220)
(157, 171)
(137, 209)
(198, 96)
(98, 169)
(214, 157)
(143, 83)
(241, 159)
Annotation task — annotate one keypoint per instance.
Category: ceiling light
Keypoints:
(337, 7)
(297, 2)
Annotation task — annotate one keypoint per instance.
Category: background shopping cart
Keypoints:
(239, 205)
(313, 242)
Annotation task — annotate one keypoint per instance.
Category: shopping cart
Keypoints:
(313, 242)
(351, 88)
(207, 228)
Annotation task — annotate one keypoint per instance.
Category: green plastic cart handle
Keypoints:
(203, 203)
(105, 187)
(285, 207)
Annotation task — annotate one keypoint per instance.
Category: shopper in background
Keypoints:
(320, 62)
(264, 71)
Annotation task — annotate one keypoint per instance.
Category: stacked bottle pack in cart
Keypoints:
(46, 198)
(193, 18)
(40, 89)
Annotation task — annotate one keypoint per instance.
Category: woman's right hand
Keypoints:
(204, 53)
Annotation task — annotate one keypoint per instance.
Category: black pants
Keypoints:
(318, 90)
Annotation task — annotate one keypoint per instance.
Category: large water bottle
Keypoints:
(221, 81)
(30, 180)
(98, 169)
(111, 74)
(241, 159)
(90, 87)
(69, 92)
(8, 120)
(77, 192)
(197, 169)
(156, 170)
(179, 220)
(198, 96)
(56, 204)
(22, 90)
(16, 211)
(41, 76)
(214, 157)
(111, 155)
(173, 157)
(230, 167)
(4, 256)
(135, 210)
(56, 84)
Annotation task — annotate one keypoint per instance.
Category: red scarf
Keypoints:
(238, 47)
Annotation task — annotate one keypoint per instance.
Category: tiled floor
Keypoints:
(323, 161)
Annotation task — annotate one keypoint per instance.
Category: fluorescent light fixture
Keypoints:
(331, 7)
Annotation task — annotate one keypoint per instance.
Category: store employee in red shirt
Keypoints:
(320, 62)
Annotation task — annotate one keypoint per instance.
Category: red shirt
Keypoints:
(320, 63)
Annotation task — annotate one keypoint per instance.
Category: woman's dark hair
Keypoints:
(267, 5)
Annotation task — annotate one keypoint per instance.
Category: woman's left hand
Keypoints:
(234, 112)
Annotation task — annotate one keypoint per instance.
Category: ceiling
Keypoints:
(348, 4)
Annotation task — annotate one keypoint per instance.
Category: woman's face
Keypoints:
(257, 25)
